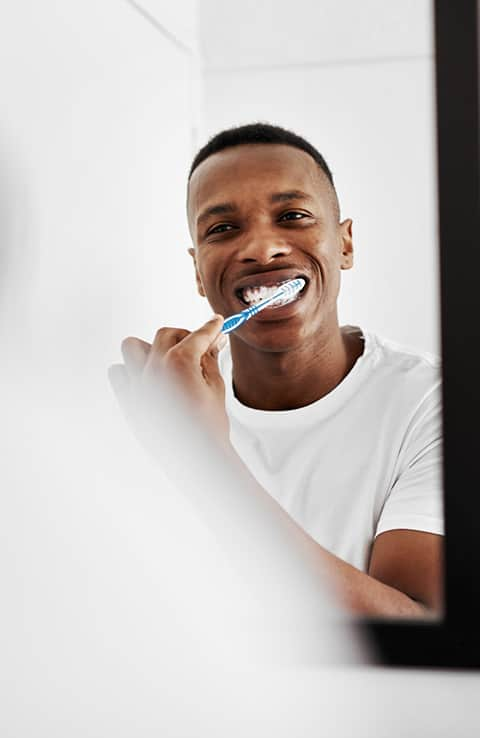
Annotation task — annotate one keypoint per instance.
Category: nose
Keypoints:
(262, 247)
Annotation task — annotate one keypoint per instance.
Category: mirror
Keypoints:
(357, 81)
(96, 139)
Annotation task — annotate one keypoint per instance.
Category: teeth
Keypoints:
(252, 295)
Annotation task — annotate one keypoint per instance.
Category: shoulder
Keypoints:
(403, 365)
(399, 383)
(402, 355)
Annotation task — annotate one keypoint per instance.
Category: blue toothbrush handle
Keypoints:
(235, 321)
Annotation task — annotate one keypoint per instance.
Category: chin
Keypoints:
(272, 339)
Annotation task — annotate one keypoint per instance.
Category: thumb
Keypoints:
(209, 361)
(218, 344)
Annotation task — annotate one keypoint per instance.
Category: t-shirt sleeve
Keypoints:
(415, 501)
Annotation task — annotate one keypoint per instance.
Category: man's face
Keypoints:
(260, 215)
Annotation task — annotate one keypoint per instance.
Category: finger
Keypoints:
(201, 340)
(135, 353)
(120, 383)
(165, 339)
(210, 369)
(219, 343)
(118, 377)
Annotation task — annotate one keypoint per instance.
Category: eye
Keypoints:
(220, 228)
(293, 215)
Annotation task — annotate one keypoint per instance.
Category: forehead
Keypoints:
(252, 172)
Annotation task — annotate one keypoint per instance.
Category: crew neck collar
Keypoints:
(324, 406)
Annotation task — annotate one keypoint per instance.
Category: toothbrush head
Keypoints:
(286, 292)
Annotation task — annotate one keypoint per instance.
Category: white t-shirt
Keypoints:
(364, 459)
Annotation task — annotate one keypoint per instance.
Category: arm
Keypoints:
(404, 577)
(404, 574)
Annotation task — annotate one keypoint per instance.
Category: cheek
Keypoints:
(210, 272)
(327, 257)
(331, 252)
(204, 268)
(209, 276)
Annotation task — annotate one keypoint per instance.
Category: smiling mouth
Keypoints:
(252, 295)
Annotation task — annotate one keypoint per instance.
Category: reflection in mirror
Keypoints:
(341, 425)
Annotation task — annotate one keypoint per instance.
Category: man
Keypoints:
(342, 428)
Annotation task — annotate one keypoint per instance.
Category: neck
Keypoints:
(291, 379)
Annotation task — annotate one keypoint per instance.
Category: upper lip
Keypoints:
(268, 278)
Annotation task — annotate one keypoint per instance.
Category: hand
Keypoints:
(187, 362)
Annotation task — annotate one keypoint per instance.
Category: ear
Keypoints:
(346, 259)
(200, 289)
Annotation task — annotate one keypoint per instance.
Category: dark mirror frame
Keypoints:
(455, 641)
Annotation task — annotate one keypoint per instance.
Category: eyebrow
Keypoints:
(290, 195)
(226, 208)
(223, 208)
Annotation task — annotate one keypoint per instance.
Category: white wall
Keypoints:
(97, 132)
(357, 80)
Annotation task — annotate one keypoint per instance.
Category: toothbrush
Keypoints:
(289, 289)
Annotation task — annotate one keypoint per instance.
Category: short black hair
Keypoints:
(258, 133)
(261, 133)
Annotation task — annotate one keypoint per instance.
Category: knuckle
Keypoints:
(163, 332)
(127, 342)
(176, 358)
(169, 331)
